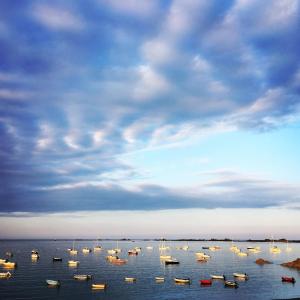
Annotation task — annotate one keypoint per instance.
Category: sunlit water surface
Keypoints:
(28, 279)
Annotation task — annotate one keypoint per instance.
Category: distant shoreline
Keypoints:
(282, 240)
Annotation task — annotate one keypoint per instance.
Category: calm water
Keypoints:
(28, 279)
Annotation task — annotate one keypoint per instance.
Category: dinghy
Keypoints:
(54, 259)
(241, 275)
(5, 275)
(159, 279)
(82, 277)
(53, 282)
(182, 280)
(229, 283)
(288, 279)
(205, 282)
(218, 277)
(99, 286)
(130, 279)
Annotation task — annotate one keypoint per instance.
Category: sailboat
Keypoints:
(118, 250)
(97, 248)
(73, 251)
(162, 246)
(274, 249)
(288, 248)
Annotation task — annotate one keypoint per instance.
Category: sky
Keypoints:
(147, 118)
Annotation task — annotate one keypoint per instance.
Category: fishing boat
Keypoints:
(159, 279)
(230, 283)
(73, 263)
(99, 286)
(35, 255)
(5, 274)
(86, 250)
(288, 279)
(182, 280)
(130, 279)
(9, 264)
(205, 282)
(171, 261)
(82, 277)
(55, 259)
(53, 282)
(241, 275)
(223, 277)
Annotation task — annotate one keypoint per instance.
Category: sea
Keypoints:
(28, 280)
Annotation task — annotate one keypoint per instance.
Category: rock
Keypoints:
(292, 264)
(261, 262)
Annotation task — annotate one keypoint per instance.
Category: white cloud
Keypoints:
(150, 84)
(57, 18)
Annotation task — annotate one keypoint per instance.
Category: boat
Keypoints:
(130, 279)
(35, 254)
(182, 280)
(54, 259)
(163, 246)
(241, 275)
(82, 277)
(172, 261)
(73, 251)
(53, 282)
(242, 253)
(111, 258)
(223, 277)
(3, 260)
(205, 248)
(288, 249)
(86, 250)
(111, 251)
(159, 279)
(99, 286)
(5, 275)
(73, 263)
(9, 254)
(288, 279)
(149, 248)
(133, 252)
(119, 261)
(275, 249)
(199, 253)
(9, 264)
(97, 248)
(205, 282)
(230, 283)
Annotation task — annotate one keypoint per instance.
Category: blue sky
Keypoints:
(165, 109)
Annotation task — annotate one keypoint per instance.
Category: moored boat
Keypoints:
(82, 277)
(223, 277)
(9, 264)
(35, 254)
(163, 257)
(133, 252)
(99, 286)
(230, 283)
(86, 250)
(3, 260)
(171, 261)
(73, 251)
(130, 279)
(53, 282)
(205, 282)
(182, 280)
(159, 279)
(111, 251)
(54, 259)
(97, 248)
(288, 279)
(5, 274)
(241, 275)
(119, 261)
(73, 263)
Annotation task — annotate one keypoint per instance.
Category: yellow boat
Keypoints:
(165, 257)
(5, 275)
(182, 280)
(99, 286)
(73, 263)
(130, 279)
(9, 265)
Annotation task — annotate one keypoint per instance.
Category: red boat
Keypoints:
(205, 282)
(288, 279)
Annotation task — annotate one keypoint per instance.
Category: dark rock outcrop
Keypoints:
(292, 264)
(261, 262)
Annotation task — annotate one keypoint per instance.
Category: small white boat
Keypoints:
(53, 282)
(73, 263)
(35, 255)
(242, 254)
(99, 286)
(73, 251)
(82, 277)
(229, 283)
(111, 251)
(149, 248)
(241, 275)
(97, 248)
(159, 279)
(130, 279)
(86, 250)
(5, 275)
(182, 280)
(218, 277)
(163, 257)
